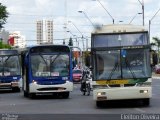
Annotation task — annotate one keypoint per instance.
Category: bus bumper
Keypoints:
(36, 88)
(9, 85)
(122, 93)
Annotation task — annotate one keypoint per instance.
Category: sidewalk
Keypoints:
(155, 75)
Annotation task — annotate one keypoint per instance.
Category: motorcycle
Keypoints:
(86, 85)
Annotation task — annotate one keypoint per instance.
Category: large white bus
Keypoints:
(121, 64)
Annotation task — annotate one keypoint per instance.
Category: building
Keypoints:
(17, 40)
(4, 35)
(44, 31)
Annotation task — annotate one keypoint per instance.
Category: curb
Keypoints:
(155, 77)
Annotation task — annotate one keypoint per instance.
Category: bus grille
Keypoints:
(51, 88)
(50, 83)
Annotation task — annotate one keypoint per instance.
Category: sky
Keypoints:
(23, 15)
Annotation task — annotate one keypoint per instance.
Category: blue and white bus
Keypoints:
(47, 69)
(10, 70)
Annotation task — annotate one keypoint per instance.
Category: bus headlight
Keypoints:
(143, 91)
(101, 93)
(64, 78)
(33, 81)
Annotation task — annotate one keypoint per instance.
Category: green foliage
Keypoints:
(3, 15)
(157, 42)
(4, 46)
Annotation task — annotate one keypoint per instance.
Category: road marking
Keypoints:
(140, 110)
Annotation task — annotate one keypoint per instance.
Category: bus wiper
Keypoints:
(130, 68)
(55, 58)
(42, 58)
(116, 65)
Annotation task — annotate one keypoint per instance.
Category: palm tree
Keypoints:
(157, 42)
(3, 15)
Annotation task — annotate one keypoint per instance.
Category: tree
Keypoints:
(3, 46)
(3, 15)
(70, 42)
(157, 42)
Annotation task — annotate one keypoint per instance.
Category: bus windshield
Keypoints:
(122, 64)
(9, 66)
(50, 65)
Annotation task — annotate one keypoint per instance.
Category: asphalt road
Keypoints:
(16, 103)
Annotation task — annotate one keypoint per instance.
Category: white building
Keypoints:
(44, 31)
(19, 40)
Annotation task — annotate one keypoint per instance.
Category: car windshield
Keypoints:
(9, 66)
(119, 64)
(50, 65)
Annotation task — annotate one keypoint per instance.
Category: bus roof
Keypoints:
(119, 28)
(49, 48)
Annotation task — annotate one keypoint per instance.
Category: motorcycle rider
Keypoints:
(84, 79)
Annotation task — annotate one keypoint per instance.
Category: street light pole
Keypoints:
(142, 3)
(134, 17)
(75, 27)
(151, 20)
(75, 37)
(78, 31)
(105, 10)
(86, 17)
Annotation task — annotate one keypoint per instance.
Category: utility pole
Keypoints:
(142, 3)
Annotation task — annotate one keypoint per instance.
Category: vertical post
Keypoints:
(151, 20)
(143, 11)
(149, 29)
(142, 3)
(106, 10)
(86, 44)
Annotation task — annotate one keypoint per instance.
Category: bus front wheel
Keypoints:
(32, 95)
(146, 102)
(65, 95)
(98, 103)
(16, 89)
(25, 94)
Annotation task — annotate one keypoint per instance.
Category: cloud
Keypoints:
(28, 11)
